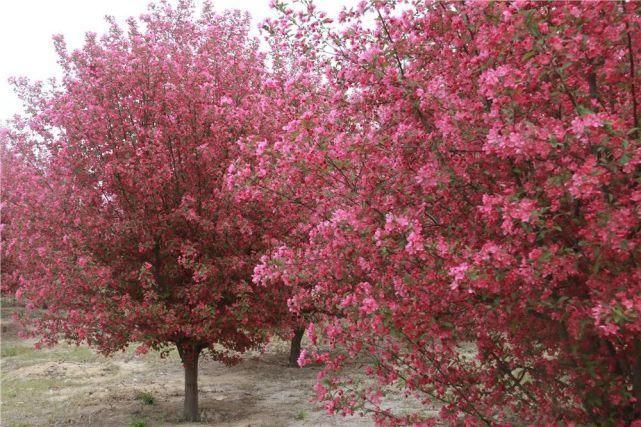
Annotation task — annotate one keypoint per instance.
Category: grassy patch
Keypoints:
(73, 353)
(26, 396)
(15, 354)
(137, 423)
(146, 397)
(29, 388)
(16, 350)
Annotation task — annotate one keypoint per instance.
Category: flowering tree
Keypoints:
(121, 221)
(476, 224)
(295, 91)
(8, 168)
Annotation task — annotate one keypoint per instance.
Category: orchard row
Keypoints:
(407, 182)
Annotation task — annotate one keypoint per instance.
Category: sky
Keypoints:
(26, 28)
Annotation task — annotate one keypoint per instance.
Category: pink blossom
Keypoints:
(368, 306)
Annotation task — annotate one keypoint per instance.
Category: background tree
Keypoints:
(123, 225)
(9, 168)
(476, 196)
(295, 90)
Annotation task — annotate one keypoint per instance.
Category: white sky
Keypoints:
(26, 28)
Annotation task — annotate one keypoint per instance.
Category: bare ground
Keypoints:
(69, 385)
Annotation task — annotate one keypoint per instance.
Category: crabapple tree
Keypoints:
(295, 91)
(122, 224)
(476, 189)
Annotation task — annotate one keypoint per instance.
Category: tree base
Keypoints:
(294, 351)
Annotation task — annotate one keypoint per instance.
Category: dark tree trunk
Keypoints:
(294, 350)
(189, 355)
(636, 380)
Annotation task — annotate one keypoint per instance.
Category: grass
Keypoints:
(138, 423)
(24, 355)
(32, 395)
(146, 397)
(28, 389)
(74, 353)
(73, 385)
(16, 350)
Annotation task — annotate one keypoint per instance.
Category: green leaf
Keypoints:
(583, 110)
(527, 55)
(554, 142)
(545, 257)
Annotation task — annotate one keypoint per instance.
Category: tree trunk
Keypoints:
(294, 350)
(636, 380)
(189, 356)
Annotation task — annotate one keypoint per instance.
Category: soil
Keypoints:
(71, 385)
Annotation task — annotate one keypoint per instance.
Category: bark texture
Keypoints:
(294, 351)
(189, 356)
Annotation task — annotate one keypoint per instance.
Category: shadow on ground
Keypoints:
(70, 385)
